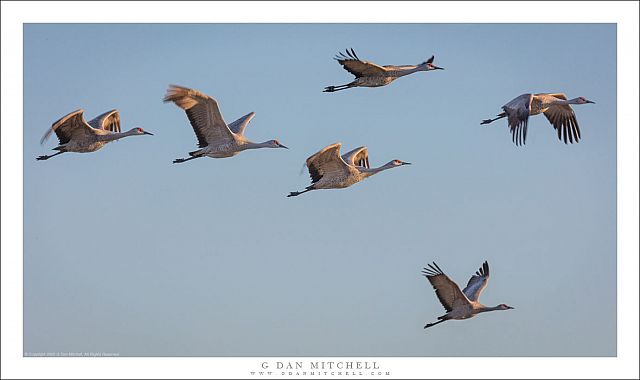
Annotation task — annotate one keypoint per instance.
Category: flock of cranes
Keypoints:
(328, 168)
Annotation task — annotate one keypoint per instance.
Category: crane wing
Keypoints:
(71, 126)
(357, 157)
(563, 120)
(203, 113)
(240, 125)
(327, 162)
(109, 121)
(359, 68)
(477, 283)
(518, 117)
(448, 292)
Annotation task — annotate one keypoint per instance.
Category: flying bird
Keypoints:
(460, 304)
(555, 107)
(216, 139)
(76, 135)
(329, 170)
(368, 74)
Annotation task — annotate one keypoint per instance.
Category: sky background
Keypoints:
(127, 253)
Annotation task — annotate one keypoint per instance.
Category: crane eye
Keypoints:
(139, 130)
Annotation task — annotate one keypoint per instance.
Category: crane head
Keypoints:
(139, 131)
(275, 144)
(503, 306)
(428, 64)
(582, 100)
(398, 163)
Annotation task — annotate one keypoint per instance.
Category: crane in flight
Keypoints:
(216, 139)
(555, 107)
(369, 74)
(330, 170)
(459, 304)
(76, 135)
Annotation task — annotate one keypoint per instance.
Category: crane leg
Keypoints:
(500, 116)
(296, 193)
(434, 323)
(40, 158)
(338, 88)
(181, 160)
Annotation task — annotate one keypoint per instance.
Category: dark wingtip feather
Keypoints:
(439, 270)
(354, 54)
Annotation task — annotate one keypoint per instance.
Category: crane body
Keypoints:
(369, 74)
(556, 107)
(216, 139)
(76, 135)
(459, 304)
(330, 170)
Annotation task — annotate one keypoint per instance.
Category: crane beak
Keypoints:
(509, 307)
(589, 101)
(406, 163)
(282, 146)
(437, 68)
(147, 133)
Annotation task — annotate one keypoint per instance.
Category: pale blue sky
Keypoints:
(125, 252)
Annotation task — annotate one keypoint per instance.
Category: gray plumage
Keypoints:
(216, 139)
(76, 135)
(369, 74)
(555, 107)
(329, 170)
(459, 304)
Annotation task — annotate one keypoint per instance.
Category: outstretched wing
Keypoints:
(240, 125)
(327, 162)
(71, 126)
(203, 113)
(563, 120)
(447, 291)
(357, 157)
(518, 117)
(359, 68)
(109, 121)
(477, 283)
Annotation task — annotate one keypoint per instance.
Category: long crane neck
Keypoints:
(252, 145)
(489, 308)
(116, 135)
(368, 172)
(410, 70)
(562, 102)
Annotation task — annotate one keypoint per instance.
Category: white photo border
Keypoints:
(15, 14)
